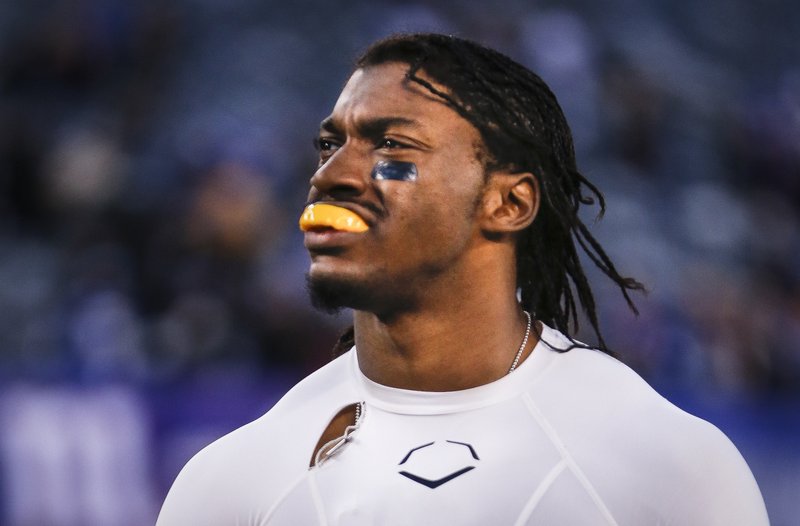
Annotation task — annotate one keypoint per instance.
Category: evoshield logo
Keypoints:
(434, 464)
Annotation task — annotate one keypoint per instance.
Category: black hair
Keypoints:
(524, 130)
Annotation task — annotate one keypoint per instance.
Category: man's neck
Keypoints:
(442, 349)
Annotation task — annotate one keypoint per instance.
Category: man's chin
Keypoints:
(332, 295)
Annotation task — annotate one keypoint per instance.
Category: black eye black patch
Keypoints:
(394, 171)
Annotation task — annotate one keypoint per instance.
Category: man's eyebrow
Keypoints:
(374, 128)
(371, 128)
(329, 125)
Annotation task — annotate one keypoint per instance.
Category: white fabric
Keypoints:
(571, 438)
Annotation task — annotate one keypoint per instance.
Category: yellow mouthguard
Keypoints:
(336, 217)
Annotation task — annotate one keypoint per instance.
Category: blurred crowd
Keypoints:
(154, 157)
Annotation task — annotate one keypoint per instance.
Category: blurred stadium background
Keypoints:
(154, 157)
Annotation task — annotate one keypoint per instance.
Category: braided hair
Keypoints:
(524, 130)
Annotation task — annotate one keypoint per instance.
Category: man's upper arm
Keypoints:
(731, 494)
(704, 479)
(199, 497)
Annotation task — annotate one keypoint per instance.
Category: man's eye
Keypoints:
(389, 143)
(326, 145)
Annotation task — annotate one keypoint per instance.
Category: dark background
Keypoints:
(154, 158)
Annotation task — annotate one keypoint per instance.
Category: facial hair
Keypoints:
(331, 295)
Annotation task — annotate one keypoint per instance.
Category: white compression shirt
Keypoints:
(571, 438)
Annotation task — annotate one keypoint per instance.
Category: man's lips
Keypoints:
(319, 241)
(322, 217)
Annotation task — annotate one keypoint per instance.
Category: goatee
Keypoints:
(329, 295)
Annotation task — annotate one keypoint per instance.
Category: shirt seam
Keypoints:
(317, 499)
(540, 491)
(572, 465)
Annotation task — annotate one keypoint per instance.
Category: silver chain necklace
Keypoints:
(523, 344)
(334, 446)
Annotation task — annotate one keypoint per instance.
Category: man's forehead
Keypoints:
(389, 83)
(384, 93)
(390, 72)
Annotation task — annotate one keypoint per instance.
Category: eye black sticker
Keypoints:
(394, 171)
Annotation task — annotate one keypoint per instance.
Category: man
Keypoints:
(445, 213)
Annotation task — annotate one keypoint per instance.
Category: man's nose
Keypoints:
(344, 174)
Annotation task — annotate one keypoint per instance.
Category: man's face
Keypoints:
(420, 230)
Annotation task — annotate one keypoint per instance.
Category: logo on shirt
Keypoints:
(436, 463)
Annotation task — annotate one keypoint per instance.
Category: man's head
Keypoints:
(520, 129)
(413, 169)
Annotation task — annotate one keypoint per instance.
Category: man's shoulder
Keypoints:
(249, 467)
(588, 388)
(624, 436)
(299, 409)
(318, 390)
(583, 379)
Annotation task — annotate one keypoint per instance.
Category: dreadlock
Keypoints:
(523, 130)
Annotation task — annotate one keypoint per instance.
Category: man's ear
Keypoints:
(510, 202)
